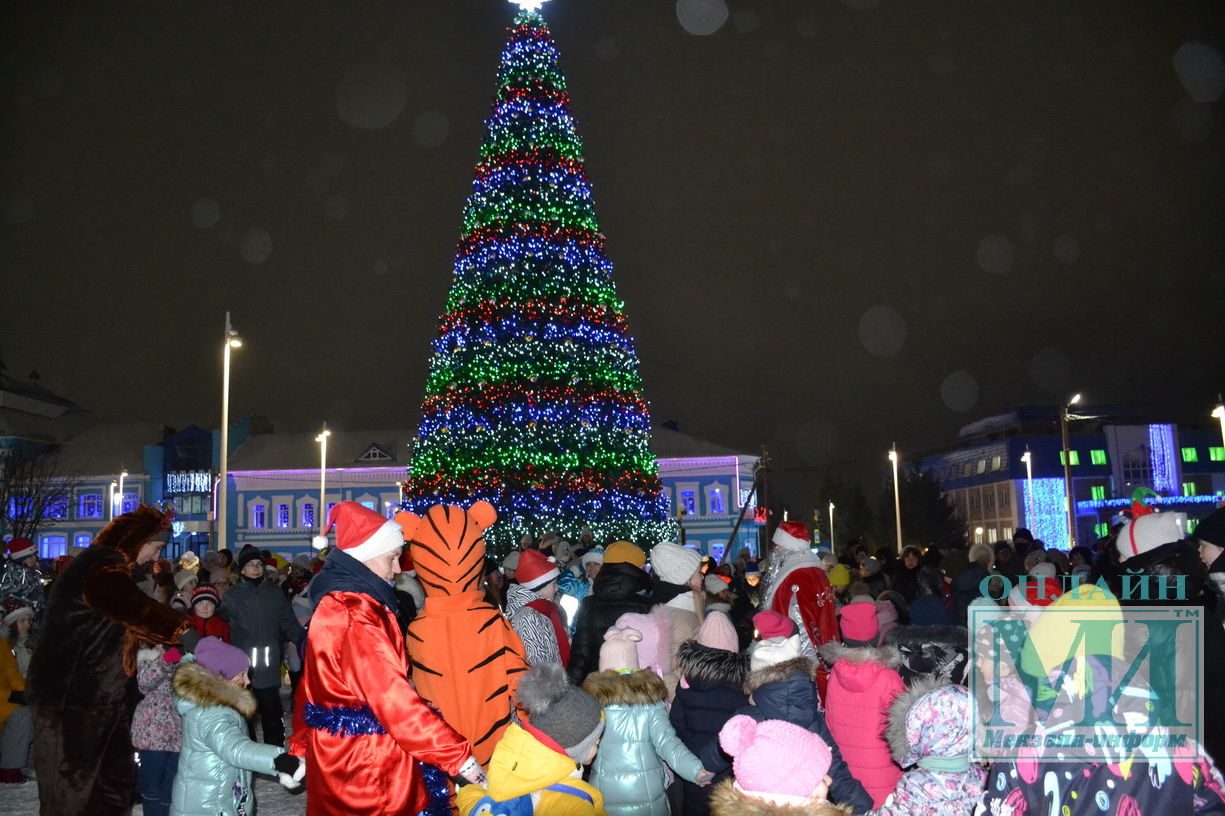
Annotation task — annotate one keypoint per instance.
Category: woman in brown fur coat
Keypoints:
(80, 694)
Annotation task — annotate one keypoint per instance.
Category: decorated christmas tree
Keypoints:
(534, 401)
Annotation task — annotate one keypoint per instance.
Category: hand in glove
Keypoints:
(473, 773)
(291, 770)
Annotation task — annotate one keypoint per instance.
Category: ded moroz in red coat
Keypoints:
(357, 720)
(797, 588)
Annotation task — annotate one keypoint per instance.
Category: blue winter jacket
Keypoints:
(711, 692)
(785, 691)
(217, 756)
(638, 741)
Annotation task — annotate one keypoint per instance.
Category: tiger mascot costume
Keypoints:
(464, 657)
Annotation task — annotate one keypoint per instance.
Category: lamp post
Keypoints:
(831, 529)
(122, 475)
(231, 340)
(1067, 471)
(114, 484)
(1028, 459)
(897, 497)
(1219, 413)
(322, 439)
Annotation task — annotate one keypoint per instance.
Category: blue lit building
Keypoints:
(1111, 454)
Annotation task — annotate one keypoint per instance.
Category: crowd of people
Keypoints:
(565, 678)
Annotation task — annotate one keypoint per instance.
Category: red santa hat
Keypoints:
(20, 548)
(361, 532)
(792, 535)
(406, 563)
(535, 569)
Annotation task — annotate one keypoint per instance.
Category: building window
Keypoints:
(982, 466)
(1190, 455)
(1216, 454)
(89, 505)
(1188, 488)
(369, 505)
(714, 499)
(282, 516)
(259, 517)
(52, 546)
(83, 539)
(689, 502)
(128, 503)
(976, 502)
(58, 509)
(991, 502)
(1098, 492)
(996, 463)
(1097, 457)
(1073, 457)
(966, 469)
(308, 516)
(331, 505)
(1102, 529)
(1005, 497)
(1137, 467)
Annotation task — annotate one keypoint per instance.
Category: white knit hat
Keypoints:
(1150, 532)
(673, 563)
(183, 577)
(713, 584)
(774, 650)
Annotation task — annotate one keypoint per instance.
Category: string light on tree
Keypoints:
(533, 400)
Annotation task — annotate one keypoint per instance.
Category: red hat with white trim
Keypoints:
(20, 548)
(535, 569)
(792, 535)
(361, 532)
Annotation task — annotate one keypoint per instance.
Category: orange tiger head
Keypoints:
(448, 546)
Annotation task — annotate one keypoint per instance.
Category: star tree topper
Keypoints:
(529, 5)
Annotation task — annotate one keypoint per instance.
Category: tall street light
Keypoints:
(122, 475)
(1067, 471)
(114, 484)
(1028, 459)
(1219, 413)
(831, 528)
(322, 439)
(897, 498)
(231, 340)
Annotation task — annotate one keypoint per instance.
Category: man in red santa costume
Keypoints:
(796, 586)
(357, 720)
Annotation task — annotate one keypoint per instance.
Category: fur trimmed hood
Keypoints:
(726, 800)
(199, 686)
(702, 663)
(945, 727)
(148, 655)
(834, 651)
(642, 687)
(806, 666)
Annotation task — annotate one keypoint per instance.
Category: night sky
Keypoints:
(834, 224)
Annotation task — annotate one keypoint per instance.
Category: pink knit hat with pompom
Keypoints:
(717, 632)
(775, 760)
(655, 648)
(620, 650)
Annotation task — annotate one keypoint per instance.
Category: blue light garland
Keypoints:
(1050, 521)
(1163, 456)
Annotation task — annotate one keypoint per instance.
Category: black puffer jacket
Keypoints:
(618, 588)
(715, 691)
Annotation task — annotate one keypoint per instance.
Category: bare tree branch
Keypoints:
(34, 491)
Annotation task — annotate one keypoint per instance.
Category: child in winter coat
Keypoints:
(638, 737)
(931, 733)
(156, 728)
(780, 771)
(217, 757)
(781, 687)
(713, 674)
(537, 767)
(203, 614)
(862, 684)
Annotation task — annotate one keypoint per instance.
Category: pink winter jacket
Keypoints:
(861, 687)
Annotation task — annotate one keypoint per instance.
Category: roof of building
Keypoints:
(669, 444)
(300, 451)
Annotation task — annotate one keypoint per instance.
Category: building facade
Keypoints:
(986, 477)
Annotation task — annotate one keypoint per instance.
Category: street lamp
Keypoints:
(322, 439)
(1028, 459)
(1219, 413)
(114, 484)
(123, 475)
(978, 535)
(831, 528)
(231, 340)
(1067, 471)
(897, 497)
